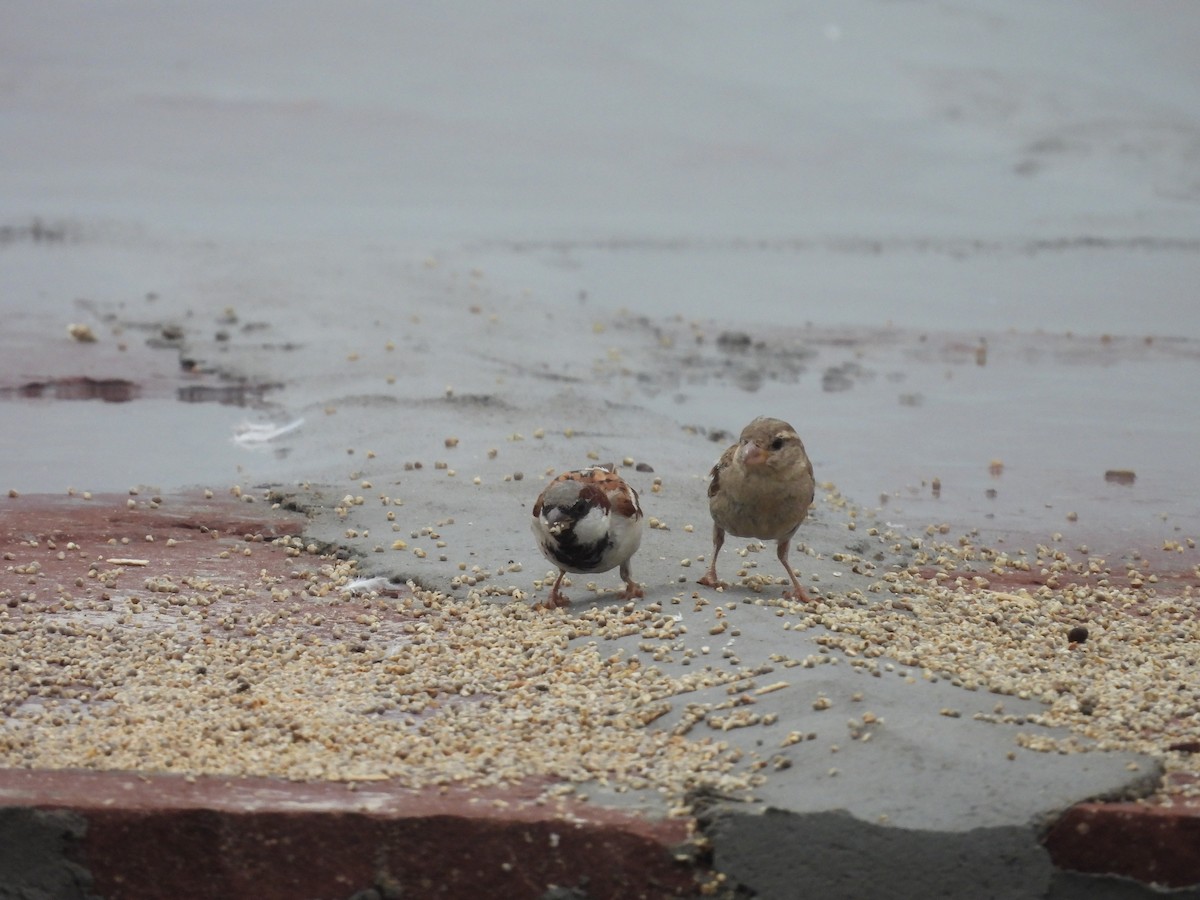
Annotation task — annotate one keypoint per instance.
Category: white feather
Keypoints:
(593, 527)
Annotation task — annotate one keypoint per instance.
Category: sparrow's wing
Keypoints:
(714, 477)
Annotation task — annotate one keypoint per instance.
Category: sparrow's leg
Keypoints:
(710, 577)
(557, 597)
(632, 588)
(798, 592)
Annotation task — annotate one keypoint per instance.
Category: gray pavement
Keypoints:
(895, 755)
(421, 287)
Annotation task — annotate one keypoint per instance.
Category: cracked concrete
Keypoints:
(325, 266)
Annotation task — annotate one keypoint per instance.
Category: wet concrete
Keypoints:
(953, 249)
(36, 857)
(897, 413)
(437, 414)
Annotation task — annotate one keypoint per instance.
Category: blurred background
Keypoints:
(935, 235)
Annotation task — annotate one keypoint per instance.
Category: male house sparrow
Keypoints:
(589, 521)
(761, 487)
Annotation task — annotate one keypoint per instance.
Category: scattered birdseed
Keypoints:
(945, 620)
(434, 688)
(771, 688)
(322, 675)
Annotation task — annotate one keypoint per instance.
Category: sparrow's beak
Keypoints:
(557, 521)
(752, 454)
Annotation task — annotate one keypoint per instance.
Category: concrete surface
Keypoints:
(934, 237)
(934, 801)
(925, 779)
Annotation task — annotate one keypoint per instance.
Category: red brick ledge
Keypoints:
(1156, 842)
(154, 836)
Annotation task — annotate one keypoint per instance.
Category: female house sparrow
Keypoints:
(761, 487)
(589, 521)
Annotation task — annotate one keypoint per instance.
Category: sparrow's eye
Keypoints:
(578, 509)
(777, 444)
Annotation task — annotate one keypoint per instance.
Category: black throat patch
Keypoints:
(571, 553)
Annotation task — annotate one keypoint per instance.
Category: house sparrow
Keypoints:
(589, 521)
(761, 487)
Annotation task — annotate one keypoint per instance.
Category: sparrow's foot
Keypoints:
(632, 591)
(557, 598)
(710, 579)
(797, 591)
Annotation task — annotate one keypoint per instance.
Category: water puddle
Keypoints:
(135, 415)
(1016, 435)
(110, 390)
(110, 434)
(47, 446)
